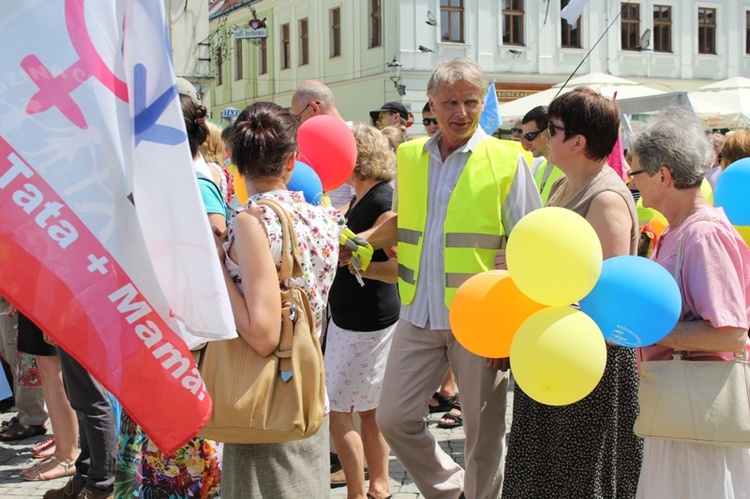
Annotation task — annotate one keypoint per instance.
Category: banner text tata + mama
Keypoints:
(47, 215)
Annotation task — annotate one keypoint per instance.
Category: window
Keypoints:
(662, 28)
(286, 55)
(706, 31)
(219, 66)
(304, 45)
(335, 32)
(376, 27)
(747, 32)
(452, 20)
(512, 22)
(570, 35)
(631, 26)
(238, 59)
(263, 57)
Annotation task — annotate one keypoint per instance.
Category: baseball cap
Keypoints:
(184, 87)
(391, 107)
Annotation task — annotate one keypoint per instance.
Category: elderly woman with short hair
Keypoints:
(711, 263)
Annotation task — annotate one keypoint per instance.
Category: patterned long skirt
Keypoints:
(586, 449)
(143, 471)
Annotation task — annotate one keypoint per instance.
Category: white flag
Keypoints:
(573, 11)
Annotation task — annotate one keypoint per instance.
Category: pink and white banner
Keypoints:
(104, 242)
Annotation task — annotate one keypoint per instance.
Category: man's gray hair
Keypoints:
(314, 91)
(675, 138)
(451, 72)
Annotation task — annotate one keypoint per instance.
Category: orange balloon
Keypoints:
(240, 189)
(487, 310)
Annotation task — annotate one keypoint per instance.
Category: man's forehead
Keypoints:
(531, 126)
(458, 93)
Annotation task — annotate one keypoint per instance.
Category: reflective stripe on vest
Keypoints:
(472, 240)
(406, 274)
(409, 236)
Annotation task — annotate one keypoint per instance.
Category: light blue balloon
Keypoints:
(732, 190)
(306, 180)
(635, 302)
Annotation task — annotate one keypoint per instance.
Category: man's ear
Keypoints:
(315, 107)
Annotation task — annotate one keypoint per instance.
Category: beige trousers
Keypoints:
(417, 363)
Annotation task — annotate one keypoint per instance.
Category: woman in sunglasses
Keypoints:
(585, 449)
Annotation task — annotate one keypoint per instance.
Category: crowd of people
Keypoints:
(435, 210)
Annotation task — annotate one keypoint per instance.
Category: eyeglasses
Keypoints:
(298, 117)
(428, 121)
(532, 135)
(552, 130)
(516, 130)
(633, 173)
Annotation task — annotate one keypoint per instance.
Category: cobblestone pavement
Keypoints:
(15, 456)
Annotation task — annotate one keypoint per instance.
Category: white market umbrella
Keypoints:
(723, 104)
(602, 83)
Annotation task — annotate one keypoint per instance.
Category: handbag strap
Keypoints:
(290, 267)
(740, 354)
(290, 253)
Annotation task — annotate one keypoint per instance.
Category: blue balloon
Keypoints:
(731, 192)
(635, 302)
(306, 180)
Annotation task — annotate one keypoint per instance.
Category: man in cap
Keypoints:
(390, 114)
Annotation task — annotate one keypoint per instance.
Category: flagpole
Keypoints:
(592, 49)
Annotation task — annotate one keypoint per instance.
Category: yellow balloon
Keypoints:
(554, 256)
(558, 356)
(744, 232)
(478, 302)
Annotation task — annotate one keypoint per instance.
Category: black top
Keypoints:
(375, 305)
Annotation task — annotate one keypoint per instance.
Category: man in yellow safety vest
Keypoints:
(460, 193)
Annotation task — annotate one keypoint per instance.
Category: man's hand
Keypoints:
(499, 364)
(500, 260)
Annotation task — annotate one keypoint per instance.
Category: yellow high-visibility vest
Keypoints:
(544, 178)
(473, 231)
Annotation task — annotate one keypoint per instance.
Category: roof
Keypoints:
(223, 7)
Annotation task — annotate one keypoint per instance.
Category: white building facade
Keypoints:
(373, 51)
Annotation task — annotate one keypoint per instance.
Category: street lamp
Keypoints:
(395, 69)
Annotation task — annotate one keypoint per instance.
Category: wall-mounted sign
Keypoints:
(251, 33)
(230, 112)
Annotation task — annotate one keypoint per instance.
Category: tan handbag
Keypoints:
(271, 399)
(705, 402)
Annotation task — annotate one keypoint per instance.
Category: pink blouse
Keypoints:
(714, 276)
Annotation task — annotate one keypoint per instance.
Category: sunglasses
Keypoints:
(633, 173)
(428, 121)
(552, 130)
(516, 130)
(532, 135)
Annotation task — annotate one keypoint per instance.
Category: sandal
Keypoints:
(9, 423)
(443, 403)
(19, 432)
(370, 496)
(453, 418)
(63, 469)
(45, 448)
